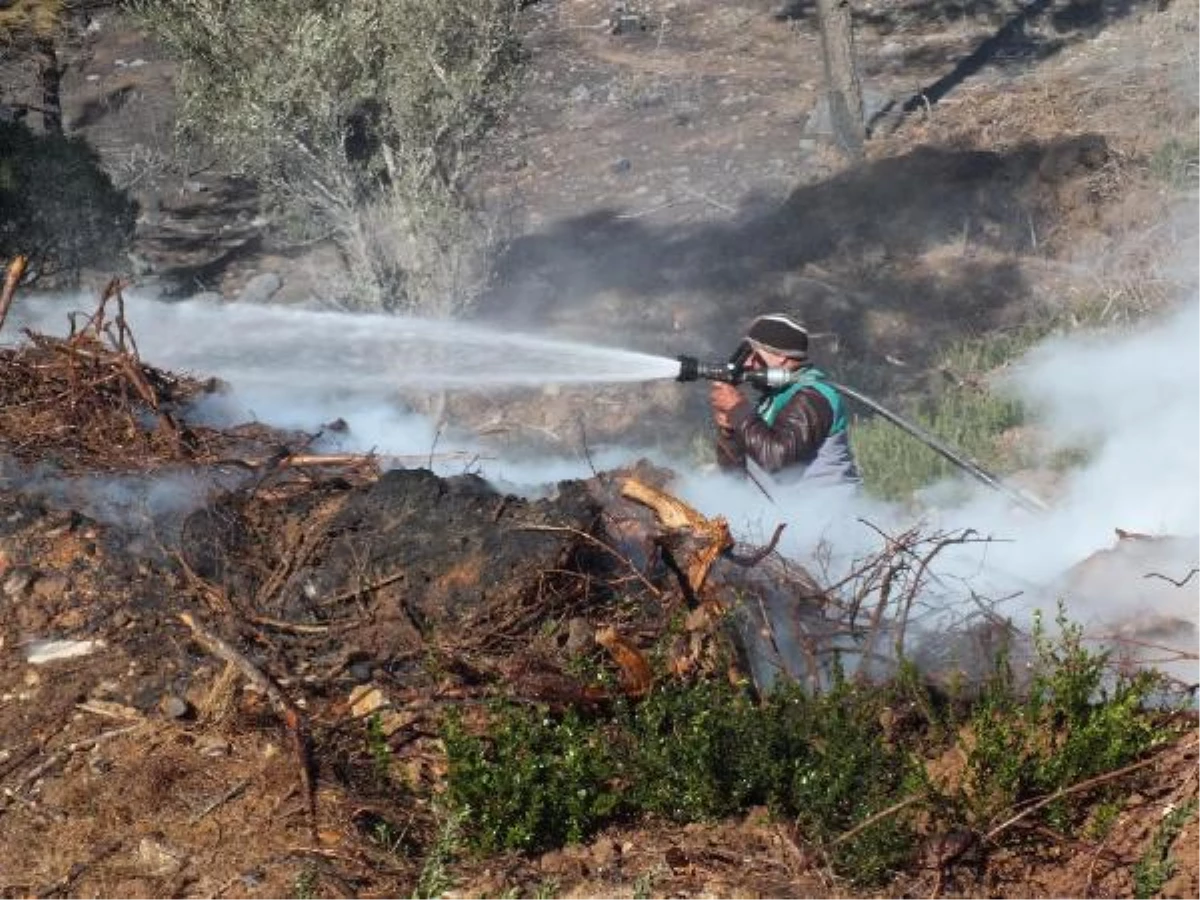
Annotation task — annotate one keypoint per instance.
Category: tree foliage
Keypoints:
(360, 119)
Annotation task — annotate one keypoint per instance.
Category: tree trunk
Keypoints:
(842, 88)
(50, 74)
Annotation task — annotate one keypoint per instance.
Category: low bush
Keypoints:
(1077, 718)
(689, 753)
(836, 765)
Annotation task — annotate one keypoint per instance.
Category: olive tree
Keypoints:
(360, 120)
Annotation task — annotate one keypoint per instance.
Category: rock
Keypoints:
(174, 707)
(580, 635)
(366, 699)
(621, 166)
(260, 288)
(157, 858)
(17, 582)
(213, 745)
(211, 297)
(360, 672)
(48, 586)
(139, 265)
(39, 652)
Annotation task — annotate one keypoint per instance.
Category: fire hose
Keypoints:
(735, 372)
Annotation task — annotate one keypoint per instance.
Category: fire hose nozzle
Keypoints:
(692, 369)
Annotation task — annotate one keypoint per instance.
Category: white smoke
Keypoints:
(1129, 399)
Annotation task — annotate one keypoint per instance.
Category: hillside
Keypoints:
(227, 662)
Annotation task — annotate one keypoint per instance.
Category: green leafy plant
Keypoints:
(378, 748)
(1151, 872)
(435, 879)
(965, 411)
(1077, 718)
(846, 765)
(689, 752)
(535, 781)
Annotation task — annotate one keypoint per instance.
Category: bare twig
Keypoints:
(220, 801)
(877, 817)
(754, 558)
(1186, 578)
(364, 589)
(599, 543)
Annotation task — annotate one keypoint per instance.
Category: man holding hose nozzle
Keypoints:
(796, 433)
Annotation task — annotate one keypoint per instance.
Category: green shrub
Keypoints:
(1151, 872)
(360, 120)
(697, 752)
(689, 753)
(536, 781)
(1076, 719)
(1177, 162)
(830, 763)
(57, 206)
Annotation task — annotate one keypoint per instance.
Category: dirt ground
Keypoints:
(658, 187)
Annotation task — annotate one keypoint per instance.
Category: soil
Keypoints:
(660, 185)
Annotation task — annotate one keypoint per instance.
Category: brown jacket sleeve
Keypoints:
(798, 431)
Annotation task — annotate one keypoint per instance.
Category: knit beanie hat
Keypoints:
(779, 333)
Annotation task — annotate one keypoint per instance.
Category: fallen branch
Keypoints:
(753, 559)
(877, 817)
(292, 717)
(1084, 785)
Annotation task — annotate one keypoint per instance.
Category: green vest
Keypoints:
(771, 404)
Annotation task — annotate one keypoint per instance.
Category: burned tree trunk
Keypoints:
(843, 90)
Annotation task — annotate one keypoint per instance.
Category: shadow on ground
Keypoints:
(892, 256)
(1025, 34)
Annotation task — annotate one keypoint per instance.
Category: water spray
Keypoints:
(735, 372)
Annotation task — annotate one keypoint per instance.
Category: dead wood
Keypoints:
(699, 540)
(291, 715)
(16, 269)
(636, 674)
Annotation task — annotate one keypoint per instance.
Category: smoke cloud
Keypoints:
(1129, 400)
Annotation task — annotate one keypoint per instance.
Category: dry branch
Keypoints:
(16, 269)
(291, 715)
(711, 536)
(1084, 785)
